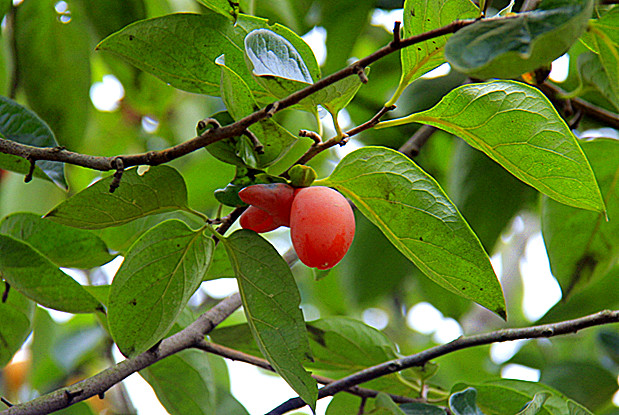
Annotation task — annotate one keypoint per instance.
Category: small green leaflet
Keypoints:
(414, 213)
(63, 245)
(271, 303)
(183, 383)
(160, 189)
(582, 246)
(463, 403)
(384, 401)
(158, 276)
(508, 48)
(593, 71)
(421, 16)
(23, 126)
(516, 126)
(39, 279)
(16, 314)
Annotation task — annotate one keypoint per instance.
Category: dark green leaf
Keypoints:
(159, 189)
(49, 45)
(593, 72)
(271, 303)
(507, 396)
(16, 314)
(64, 246)
(240, 102)
(39, 279)
(384, 401)
(111, 15)
(183, 383)
(516, 126)
(535, 406)
(24, 126)
(582, 246)
(421, 16)
(509, 48)
(464, 403)
(223, 7)
(158, 276)
(415, 408)
(181, 49)
(220, 265)
(414, 213)
(610, 342)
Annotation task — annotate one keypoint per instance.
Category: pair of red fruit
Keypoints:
(322, 223)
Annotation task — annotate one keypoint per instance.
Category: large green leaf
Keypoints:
(421, 16)
(583, 246)
(414, 213)
(603, 68)
(16, 314)
(271, 303)
(507, 396)
(39, 279)
(158, 276)
(181, 49)
(159, 189)
(24, 126)
(46, 44)
(64, 246)
(239, 103)
(516, 126)
(509, 48)
(183, 383)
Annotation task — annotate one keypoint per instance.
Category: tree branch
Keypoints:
(101, 382)
(232, 354)
(420, 359)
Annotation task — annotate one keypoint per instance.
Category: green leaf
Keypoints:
(343, 403)
(183, 383)
(507, 396)
(80, 408)
(341, 343)
(239, 103)
(417, 408)
(220, 265)
(593, 72)
(158, 276)
(224, 7)
(463, 403)
(39, 279)
(535, 406)
(64, 246)
(414, 213)
(337, 96)
(508, 48)
(107, 17)
(610, 343)
(421, 16)
(181, 49)
(605, 74)
(159, 189)
(583, 246)
(16, 314)
(271, 303)
(21, 125)
(384, 401)
(516, 126)
(44, 46)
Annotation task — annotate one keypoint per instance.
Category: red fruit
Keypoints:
(274, 198)
(257, 220)
(322, 226)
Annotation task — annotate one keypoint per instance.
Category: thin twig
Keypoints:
(420, 359)
(413, 145)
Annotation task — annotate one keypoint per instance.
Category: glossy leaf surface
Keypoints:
(516, 126)
(271, 303)
(511, 47)
(39, 279)
(158, 276)
(160, 189)
(64, 246)
(21, 125)
(414, 213)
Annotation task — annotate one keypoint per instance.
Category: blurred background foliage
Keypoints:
(98, 104)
